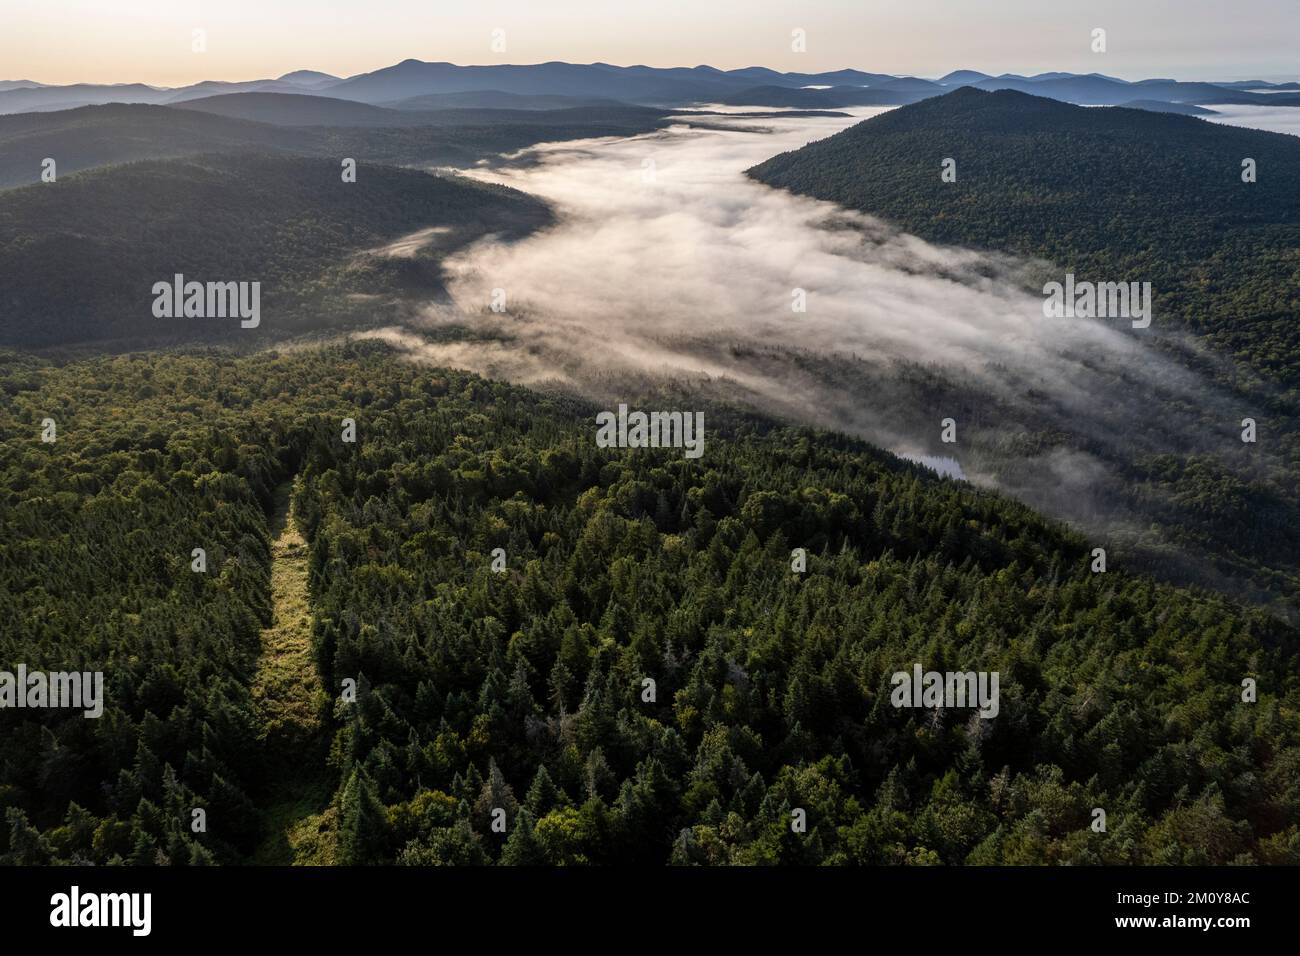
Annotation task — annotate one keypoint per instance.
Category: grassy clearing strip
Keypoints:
(288, 699)
(287, 692)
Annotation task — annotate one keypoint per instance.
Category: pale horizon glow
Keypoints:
(149, 41)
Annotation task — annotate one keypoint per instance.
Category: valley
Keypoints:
(460, 606)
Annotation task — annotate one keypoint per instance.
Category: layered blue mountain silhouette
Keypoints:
(537, 85)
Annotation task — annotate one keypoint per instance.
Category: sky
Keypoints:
(150, 41)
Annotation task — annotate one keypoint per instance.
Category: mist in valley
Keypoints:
(669, 272)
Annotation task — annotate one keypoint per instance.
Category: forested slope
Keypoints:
(522, 688)
(79, 257)
(94, 136)
(1109, 194)
(103, 135)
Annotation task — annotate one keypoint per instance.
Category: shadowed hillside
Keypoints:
(79, 258)
(101, 135)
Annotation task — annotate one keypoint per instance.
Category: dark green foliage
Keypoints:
(1113, 195)
(522, 690)
(96, 535)
(1109, 194)
(772, 687)
(364, 828)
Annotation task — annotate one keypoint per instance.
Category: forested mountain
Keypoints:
(535, 650)
(822, 99)
(79, 257)
(300, 110)
(1158, 106)
(496, 100)
(1108, 194)
(38, 97)
(25, 96)
(633, 84)
(309, 78)
(521, 688)
(1113, 195)
(102, 135)
(1096, 90)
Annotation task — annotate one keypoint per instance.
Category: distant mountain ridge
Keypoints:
(497, 100)
(300, 109)
(654, 86)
